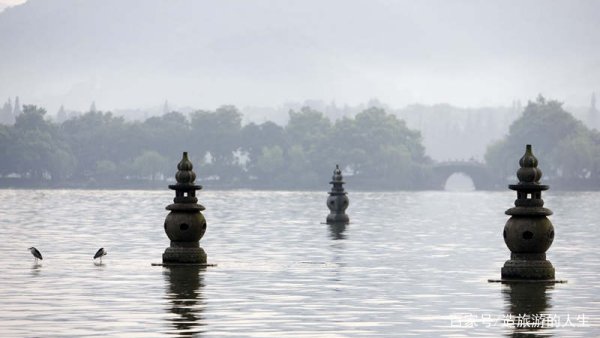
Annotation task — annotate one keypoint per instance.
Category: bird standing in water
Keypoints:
(36, 254)
(101, 252)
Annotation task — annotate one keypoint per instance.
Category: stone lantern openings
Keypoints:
(337, 202)
(528, 233)
(185, 225)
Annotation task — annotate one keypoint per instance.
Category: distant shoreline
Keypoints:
(18, 184)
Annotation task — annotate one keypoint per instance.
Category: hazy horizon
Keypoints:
(136, 54)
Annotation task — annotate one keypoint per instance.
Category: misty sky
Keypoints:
(6, 3)
(139, 53)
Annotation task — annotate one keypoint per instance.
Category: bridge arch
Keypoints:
(477, 171)
(459, 182)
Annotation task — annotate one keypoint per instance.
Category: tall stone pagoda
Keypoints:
(337, 202)
(185, 225)
(528, 233)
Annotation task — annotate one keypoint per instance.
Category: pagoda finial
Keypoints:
(337, 174)
(185, 174)
(529, 172)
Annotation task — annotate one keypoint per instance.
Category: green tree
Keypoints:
(97, 136)
(255, 137)
(567, 149)
(217, 133)
(575, 156)
(149, 164)
(307, 128)
(6, 149)
(271, 161)
(378, 144)
(106, 171)
(168, 134)
(39, 149)
(307, 136)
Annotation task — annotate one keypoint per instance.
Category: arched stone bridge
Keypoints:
(477, 171)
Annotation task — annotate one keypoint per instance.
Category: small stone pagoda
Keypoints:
(528, 233)
(185, 224)
(337, 202)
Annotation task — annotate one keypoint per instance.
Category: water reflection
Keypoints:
(408, 261)
(528, 304)
(337, 231)
(35, 269)
(337, 260)
(185, 298)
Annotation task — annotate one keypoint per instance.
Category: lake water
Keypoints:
(409, 264)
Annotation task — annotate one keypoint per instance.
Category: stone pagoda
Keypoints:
(528, 233)
(185, 224)
(337, 202)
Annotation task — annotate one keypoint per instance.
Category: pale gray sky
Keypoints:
(6, 3)
(137, 53)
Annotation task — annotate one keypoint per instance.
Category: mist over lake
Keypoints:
(424, 112)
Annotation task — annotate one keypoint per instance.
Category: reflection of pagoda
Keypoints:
(527, 299)
(184, 294)
(337, 230)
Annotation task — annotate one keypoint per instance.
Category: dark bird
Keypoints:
(36, 253)
(101, 252)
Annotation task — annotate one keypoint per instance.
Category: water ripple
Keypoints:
(409, 264)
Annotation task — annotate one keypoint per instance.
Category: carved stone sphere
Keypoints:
(185, 226)
(531, 234)
(337, 204)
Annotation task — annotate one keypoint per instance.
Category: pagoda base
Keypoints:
(528, 269)
(184, 255)
(337, 219)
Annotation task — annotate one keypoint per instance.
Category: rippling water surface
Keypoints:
(409, 264)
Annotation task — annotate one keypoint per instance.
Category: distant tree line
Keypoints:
(98, 149)
(376, 150)
(568, 152)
